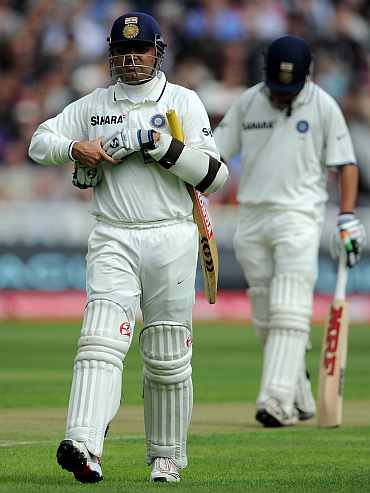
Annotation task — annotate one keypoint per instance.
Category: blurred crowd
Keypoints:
(55, 51)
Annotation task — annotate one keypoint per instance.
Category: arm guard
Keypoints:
(193, 166)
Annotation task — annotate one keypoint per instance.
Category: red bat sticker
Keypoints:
(332, 339)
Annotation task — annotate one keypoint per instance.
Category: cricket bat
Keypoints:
(334, 354)
(207, 241)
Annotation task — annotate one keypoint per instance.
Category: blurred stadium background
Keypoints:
(52, 52)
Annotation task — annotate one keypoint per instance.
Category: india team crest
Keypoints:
(158, 121)
(302, 126)
(130, 31)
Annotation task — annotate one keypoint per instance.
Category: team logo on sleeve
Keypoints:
(302, 126)
(158, 121)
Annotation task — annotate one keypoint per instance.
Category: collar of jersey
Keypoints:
(303, 97)
(150, 91)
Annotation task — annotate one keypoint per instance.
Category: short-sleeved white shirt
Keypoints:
(132, 192)
(284, 158)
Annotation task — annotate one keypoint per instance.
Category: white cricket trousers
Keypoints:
(151, 267)
(269, 242)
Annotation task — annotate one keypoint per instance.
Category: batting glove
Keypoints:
(127, 141)
(350, 234)
(85, 176)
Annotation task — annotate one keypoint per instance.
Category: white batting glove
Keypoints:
(127, 141)
(85, 176)
(349, 235)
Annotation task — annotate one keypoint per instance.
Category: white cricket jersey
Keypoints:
(131, 192)
(285, 159)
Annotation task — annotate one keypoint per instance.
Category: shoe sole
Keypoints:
(161, 479)
(267, 420)
(303, 416)
(73, 460)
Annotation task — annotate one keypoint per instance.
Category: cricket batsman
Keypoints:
(289, 133)
(142, 251)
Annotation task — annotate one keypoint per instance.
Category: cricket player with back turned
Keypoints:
(142, 250)
(289, 133)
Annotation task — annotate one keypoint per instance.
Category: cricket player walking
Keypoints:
(143, 248)
(289, 133)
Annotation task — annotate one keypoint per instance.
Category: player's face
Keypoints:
(133, 63)
(281, 100)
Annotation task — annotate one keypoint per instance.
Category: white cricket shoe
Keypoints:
(164, 469)
(74, 457)
(272, 415)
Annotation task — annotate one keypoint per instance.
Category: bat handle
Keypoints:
(342, 273)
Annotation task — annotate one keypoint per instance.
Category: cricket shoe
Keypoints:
(272, 415)
(74, 457)
(164, 470)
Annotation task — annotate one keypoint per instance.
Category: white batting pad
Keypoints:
(260, 299)
(283, 356)
(166, 349)
(97, 374)
(303, 398)
(291, 302)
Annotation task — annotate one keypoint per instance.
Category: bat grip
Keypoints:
(342, 273)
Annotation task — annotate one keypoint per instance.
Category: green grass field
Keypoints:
(227, 450)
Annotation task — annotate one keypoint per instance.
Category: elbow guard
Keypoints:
(193, 166)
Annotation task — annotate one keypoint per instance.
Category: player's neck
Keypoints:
(139, 92)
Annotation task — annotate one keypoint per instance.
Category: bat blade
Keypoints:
(207, 243)
(333, 365)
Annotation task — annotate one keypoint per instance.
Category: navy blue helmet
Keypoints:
(134, 29)
(287, 64)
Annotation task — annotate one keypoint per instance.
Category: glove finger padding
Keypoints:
(113, 143)
(117, 146)
(350, 234)
(125, 142)
(121, 154)
(86, 177)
